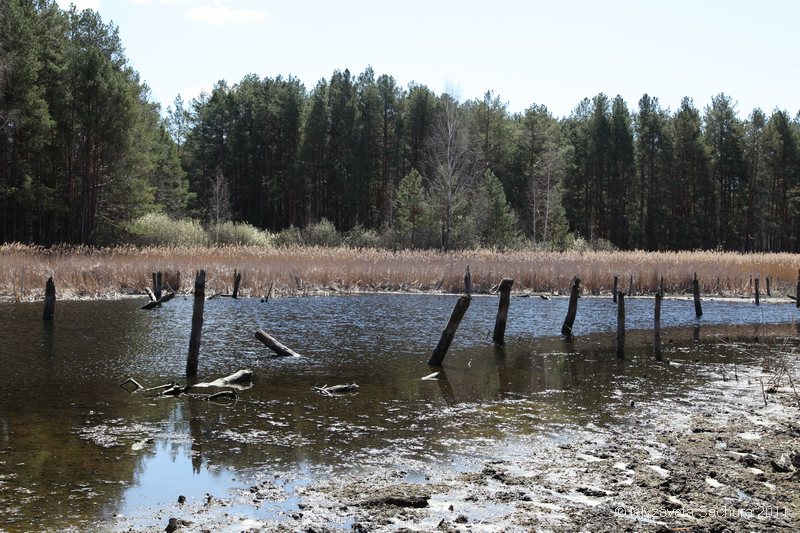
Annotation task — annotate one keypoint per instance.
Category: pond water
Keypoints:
(75, 448)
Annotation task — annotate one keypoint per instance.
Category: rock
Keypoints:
(181, 499)
(461, 519)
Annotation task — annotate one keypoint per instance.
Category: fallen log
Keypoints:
(167, 297)
(325, 390)
(222, 395)
(270, 342)
(150, 294)
(242, 379)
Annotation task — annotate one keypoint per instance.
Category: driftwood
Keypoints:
(155, 303)
(431, 377)
(270, 342)
(326, 390)
(241, 380)
(150, 294)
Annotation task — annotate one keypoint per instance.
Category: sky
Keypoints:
(553, 52)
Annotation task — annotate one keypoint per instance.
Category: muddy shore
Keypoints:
(725, 457)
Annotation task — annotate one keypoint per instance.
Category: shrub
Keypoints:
(154, 229)
(290, 236)
(323, 233)
(361, 237)
(238, 233)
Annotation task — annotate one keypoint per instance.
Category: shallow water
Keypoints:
(75, 448)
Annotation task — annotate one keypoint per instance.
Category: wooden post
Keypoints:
(197, 324)
(698, 309)
(157, 283)
(657, 326)
(769, 286)
(797, 291)
(450, 331)
(630, 286)
(566, 329)
(614, 294)
(237, 279)
(49, 299)
(758, 294)
(468, 283)
(502, 311)
(621, 325)
(272, 343)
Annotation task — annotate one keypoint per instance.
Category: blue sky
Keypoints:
(553, 53)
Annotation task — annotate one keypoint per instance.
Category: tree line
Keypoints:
(84, 150)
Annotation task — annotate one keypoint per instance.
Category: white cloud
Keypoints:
(221, 14)
(80, 4)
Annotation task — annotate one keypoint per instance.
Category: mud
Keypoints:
(722, 458)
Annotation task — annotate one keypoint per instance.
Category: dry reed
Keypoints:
(82, 272)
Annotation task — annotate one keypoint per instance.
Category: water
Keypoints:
(76, 449)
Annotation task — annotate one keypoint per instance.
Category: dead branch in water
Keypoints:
(325, 390)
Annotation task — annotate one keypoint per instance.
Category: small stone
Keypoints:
(181, 499)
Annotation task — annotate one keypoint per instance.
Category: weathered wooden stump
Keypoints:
(758, 294)
(769, 286)
(572, 309)
(621, 325)
(657, 325)
(237, 279)
(49, 299)
(197, 324)
(450, 331)
(698, 309)
(614, 293)
(468, 283)
(157, 284)
(502, 311)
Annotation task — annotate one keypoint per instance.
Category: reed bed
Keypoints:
(83, 272)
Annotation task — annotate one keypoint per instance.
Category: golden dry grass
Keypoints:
(82, 272)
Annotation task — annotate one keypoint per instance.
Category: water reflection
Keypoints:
(77, 448)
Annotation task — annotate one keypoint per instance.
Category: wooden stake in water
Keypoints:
(698, 309)
(769, 284)
(572, 310)
(614, 293)
(49, 300)
(758, 294)
(468, 283)
(237, 279)
(450, 331)
(197, 324)
(621, 325)
(657, 326)
(630, 286)
(157, 283)
(502, 311)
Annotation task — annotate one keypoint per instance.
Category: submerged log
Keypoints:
(165, 298)
(197, 324)
(449, 331)
(270, 342)
(336, 389)
(502, 311)
(49, 300)
(572, 310)
(241, 379)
